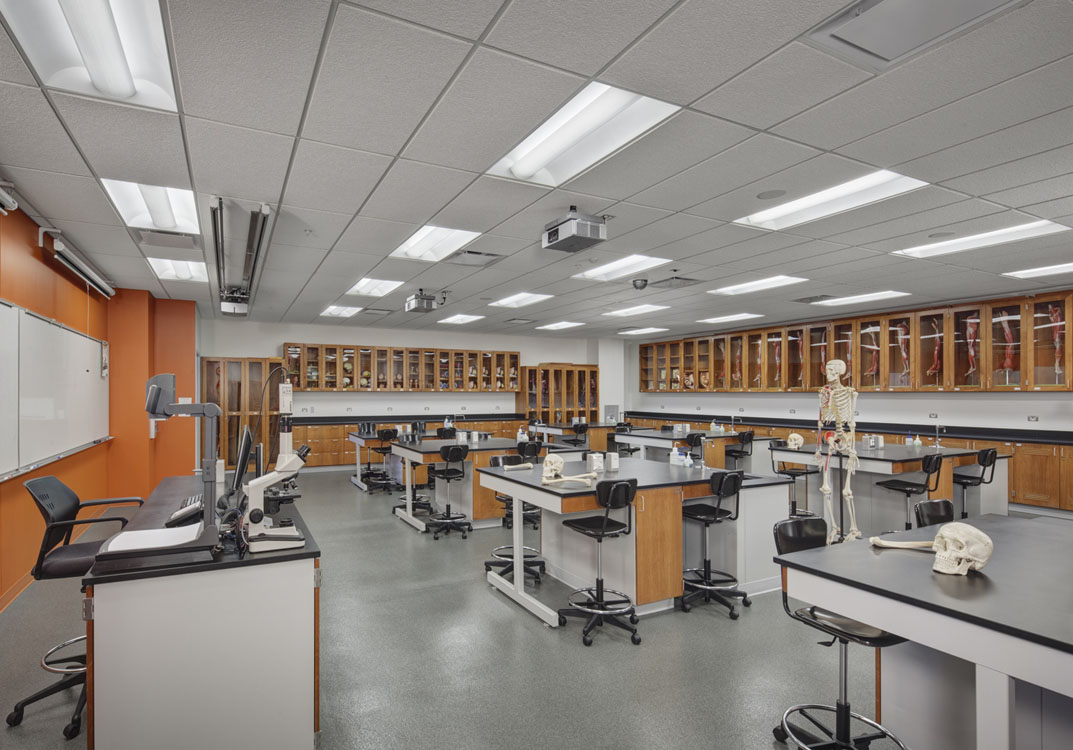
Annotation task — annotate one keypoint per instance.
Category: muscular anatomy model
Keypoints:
(735, 368)
(873, 365)
(1058, 331)
(778, 362)
(972, 335)
(1007, 335)
(903, 346)
(759, 358)
(937, 353)
(838, 407)
(801, 356)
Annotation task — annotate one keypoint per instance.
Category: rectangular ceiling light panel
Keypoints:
(461, 319)
(179, 270)
(339, 311)
(731, 318)
(598, 121)
(111, 49)
(622, 267)
(374, 287)
(636, 310)
(984, 239)
(772, 282)
(432, 244)
(857, 299)
(521, 299)
(154, 207)
(558, 326)
(1033, 273)
(642, 331)
(862, 191)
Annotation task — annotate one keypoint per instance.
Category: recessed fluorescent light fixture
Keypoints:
(985, 239)
(1031, 273)
(179, 270)
(521, 300)
(731, 318)
(558, 326)
(153, 207)
(433, 244)
(636, 310)
(598, 121)
(374, 287)
(461, 319)
(642, 331)
(871, 188)
(616, 269)
(112, 49)
(338, 311)
(756, 286)
(859, 298)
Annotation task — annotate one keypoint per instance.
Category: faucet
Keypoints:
(938, 440)
(732, 423)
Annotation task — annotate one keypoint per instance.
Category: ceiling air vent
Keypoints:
(520, 321)
(168, 239)
(472, 258)
(879, 34)
(813, 300)
(674, 282)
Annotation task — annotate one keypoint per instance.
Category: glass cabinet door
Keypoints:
(844, 344)
(557, 389)
(273, 386)
(428, 370)
(754, 356)
(931, 333)
(292, 360)
(1005, 353)
(212, 371)
(513, 370)
(689, 365)
(662, 373)
(398, 369)
(968, 354)
(443, 370)
(674, 362)
(311, 365)
(499, 371)
(647, 364)
(413, 369)
(900, 352)
(737, 355)
(704, 365)
(365, 369)
(593, 375)
(382, 369)
(331, 368)
(473, 364)
(255, 381)
(1050, 361)
(458, 371)
(347, 365)
(719, 365)
(870, 351)
(818, 350)
(796, 359)
(487, 364)
(774, 346)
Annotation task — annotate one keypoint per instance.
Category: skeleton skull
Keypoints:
(794, 441)
(835, 368)
(553, 467)
(960, 548)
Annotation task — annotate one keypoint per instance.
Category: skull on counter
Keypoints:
(553, 466)
(794, 441)
(960, 548)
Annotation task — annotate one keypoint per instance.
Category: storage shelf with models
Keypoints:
(1014, 344)
(235, 384)
(556, 392)
(354, 368)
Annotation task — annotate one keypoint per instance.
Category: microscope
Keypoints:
(264, 498)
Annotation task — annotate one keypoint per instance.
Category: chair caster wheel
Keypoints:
(435, 536)
(734, 614)
(463, 535)
(71, 730)
(746, 601)
(779, 733)
(562, 622)
(587, 640)
(634, 620)
(14, 718)
(536, 579)
(635, 639)
(686, 607)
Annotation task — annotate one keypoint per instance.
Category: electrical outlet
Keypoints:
(391, 408)
(426, 408)
(933, 415)
(793, 411)
(662, 406)
(1033, 418)
(462, 408)
(305, 410)
(698, 408)
(349, 410)
(497, 408)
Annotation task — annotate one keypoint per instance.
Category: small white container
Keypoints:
(880, 441)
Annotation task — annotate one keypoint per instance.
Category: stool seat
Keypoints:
(838, 626)
(447, 474)
(904, 485)
(594, 526)
(795, 473)
(968, 480)
(706, 513)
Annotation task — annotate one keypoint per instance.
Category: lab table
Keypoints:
(394, 469)
(988, 661)
(597, 433)
(466, 496)
(666, 441)
(879, 509)
(648, 564)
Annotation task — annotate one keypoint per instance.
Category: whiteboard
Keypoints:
(9, 388)
(63, 397)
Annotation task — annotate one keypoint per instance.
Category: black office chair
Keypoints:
(591, 603)
(380, 479)
(744, 449)
(580, 435)
(625, 449)
(695, 443)
(705, 583)
(666, 428)
(530, 449)
(780, 468)
(504, 555)
(446, 433)
(446, 522)
(985, 459)
(927, 482)
(61, 558)
(794, 535)
(931, 512)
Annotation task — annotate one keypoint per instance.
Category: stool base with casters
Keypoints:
(446, 522)
(73, 676)
(503, 558)
(711, 585)
(591, 603)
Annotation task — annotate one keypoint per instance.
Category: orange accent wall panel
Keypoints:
(174, 344)
(130, 458)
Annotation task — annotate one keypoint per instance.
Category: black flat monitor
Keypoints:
(245, 447)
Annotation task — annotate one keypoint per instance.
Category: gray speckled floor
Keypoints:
(418, 651)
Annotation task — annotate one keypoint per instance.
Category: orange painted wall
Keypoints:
(130, 363)
(174, 350)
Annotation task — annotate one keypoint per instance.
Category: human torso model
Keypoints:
(1058, 331)
(972, 335)
(838, 408)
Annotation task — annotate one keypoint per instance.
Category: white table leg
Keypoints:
(407, 515)
(994, 709)
(516, 589)
(644, 451)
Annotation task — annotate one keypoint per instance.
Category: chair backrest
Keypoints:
(454, 454)
(726, 483)
(445, 433)
(695, 439)
(387, 436)
(931, 464)
(931, 512)
(56, 502)
(746, 440)
(616, 493)
(666, 428)
(624, 427)
(772, 445)
(987, 458)
(796, 534)
(530, 448)
(507, 460)
(581, 428)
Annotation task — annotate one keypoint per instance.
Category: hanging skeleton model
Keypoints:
(838, 408)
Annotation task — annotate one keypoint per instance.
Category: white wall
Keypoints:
(999, 410)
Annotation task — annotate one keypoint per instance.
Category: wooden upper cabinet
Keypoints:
(1048, 341)
(720, 365)
(311, 361)
(702, 376)
(932, 362)
(646, 365)
(843, 347)
(365, 369)
(292, 361)
(819, 351)
(736, 346)
(795, 354)
(414, 364)
(871, 354)
(754, 361)
(900, 337)
(397, 359)
(348, 363)
(1005, 346)
(966, 344)
(330, 368)
(774, 360)
(674, 363)
(689, 366)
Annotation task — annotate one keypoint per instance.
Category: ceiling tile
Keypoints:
(237, 162)
(282, 257)
(247, 62)
(493, 104)
(378, 78)
(878, 236)
(649, 238)
(679, 143)
(306, 228)
(150, 151)
(63, 196)
(467, 18)
(1037, 192)
(785, 83)
(918, 200)
(487, 202)
(702, 44)
(122, 266)
(725, 256)
(1051, 209)
(529, 223)
(98, 239)
(331, 178)
(374, 236)
(580, 35)
(32, 136)
(12, 68)
(757, 157)
(1016, 173)
(414, 192)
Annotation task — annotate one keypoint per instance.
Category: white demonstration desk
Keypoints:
(647, 565)
(989, 658)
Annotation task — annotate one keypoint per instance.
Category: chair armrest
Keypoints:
(80, 521)
(111, 501)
